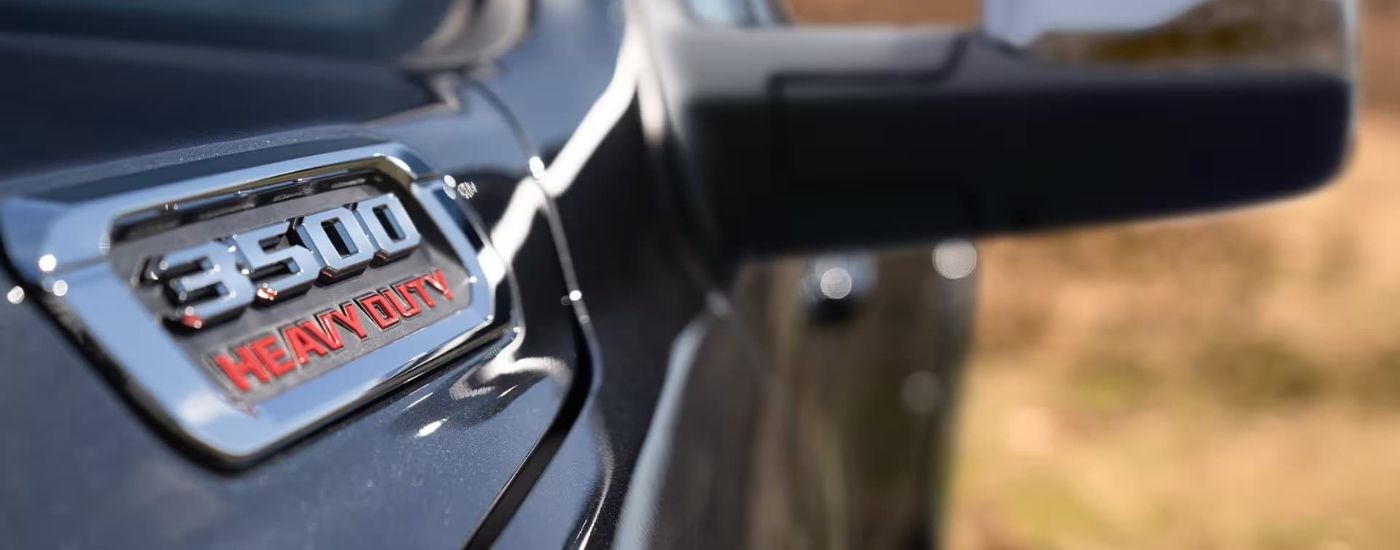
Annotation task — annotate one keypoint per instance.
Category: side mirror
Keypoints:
(1057, 112)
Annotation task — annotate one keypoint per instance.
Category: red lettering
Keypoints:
(324, 331)
(347, 316)
(269, 357)
(407, 308)
(380, 310)
(439, 283)
(303, 344)
(415, 285)
(269, 350)
(248, 363)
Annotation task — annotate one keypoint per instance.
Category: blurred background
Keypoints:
(1224, 381)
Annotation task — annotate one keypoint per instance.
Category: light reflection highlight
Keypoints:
(430, 427)
(1021, 22)
(15, 295)
(509, 234)
(955, 258)
(836, 283)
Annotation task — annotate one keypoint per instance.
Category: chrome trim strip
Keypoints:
(61, 249)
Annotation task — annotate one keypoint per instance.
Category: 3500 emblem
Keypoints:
(246, 301)
(217, 280)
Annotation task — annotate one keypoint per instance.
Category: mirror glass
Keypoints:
(1313, 34)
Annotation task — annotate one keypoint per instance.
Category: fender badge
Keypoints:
(246, 308)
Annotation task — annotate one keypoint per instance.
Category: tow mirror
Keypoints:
(1055, 112)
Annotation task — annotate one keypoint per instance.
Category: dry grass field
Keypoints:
(1229, 381)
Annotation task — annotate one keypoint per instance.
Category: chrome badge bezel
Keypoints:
(60, 249)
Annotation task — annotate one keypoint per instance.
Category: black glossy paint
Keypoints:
(539, 447)
(419, 468)
(73, 101)
(374, 29)
(642, 290)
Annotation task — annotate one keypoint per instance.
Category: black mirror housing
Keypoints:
(788, 139)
